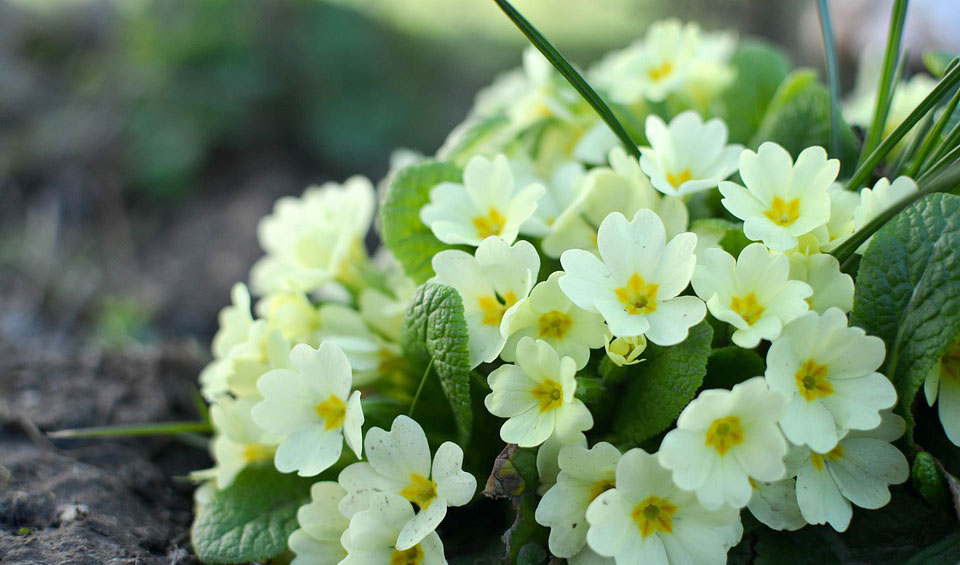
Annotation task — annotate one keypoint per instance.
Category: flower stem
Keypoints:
(133, 430)
(423, 380)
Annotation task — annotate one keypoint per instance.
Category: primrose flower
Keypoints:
(832, 288)
(584, 475)
(239, 441)
(490, 282)
(371, 357)
(548, 455)
(858, 471)
(566, 183)
(372, 535)
(623, 188)
(235, 322)
(488, 203)
(648, 519)
(689, 155)
(839, 227)
(753, 293)
(625, 351)
(775, 504)
(310, 406)
(782, 200)
(636, 282)
(725, 438)
(548, 314)
(827, 372)
(399, 464)
(874, 202)
(237, 373)
(292, 314)
(317, 540)
(942, 385)
(536, 395)
(312, 240)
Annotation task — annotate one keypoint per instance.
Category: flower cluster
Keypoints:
(574, 262)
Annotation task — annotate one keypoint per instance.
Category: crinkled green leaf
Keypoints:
(661, 386)
(434, 328)
(404, 234)
(799, 117)
(908, 292)
(463, 141)
(760, 70)
(252, 518)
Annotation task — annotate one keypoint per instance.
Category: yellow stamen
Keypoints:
(680, 178)
(494, 307)
(637, 296)
(724, 433)
(747, 308)
(832, 455)
(412, 556)
(421, 491)
(549, 394)
(661, 71)
(812, 381)
(783, 213)
(491, 224)
(601, 487)
(554, 324)
(332, 411)
(653, 515)
(253, 452)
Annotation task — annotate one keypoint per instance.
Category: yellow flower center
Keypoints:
(253, 452)
(332, 411)
(812, 381)
(654, 515)
(747, 308)
(494, 307)
(832, 455)
(421, 491)
(554, 324)
(549, 394)
(660, 72)
(601, 487)
(677, 179)
(491, 224)
(637, 296)
(950, 363)
(783, 213)
(412, 556)
(724, 433)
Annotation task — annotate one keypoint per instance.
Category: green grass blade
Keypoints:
(887, 84)
(943, 88)
(133, 430)
(950, 157)
(564, 67)
(931, 138)
(948, 181)
(833, 77)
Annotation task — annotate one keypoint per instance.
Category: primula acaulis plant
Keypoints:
(675, 307)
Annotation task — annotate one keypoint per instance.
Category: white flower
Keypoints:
(536, 395)
(371, 538)
(291, 313)
(317, 541)
(839, 227)
(235, 322)
(874, 202)
(832, 288)
(620, 188)
(584, 475)
(371, 357)
(775, 504)
(310, 241)
(624, 351)
(635, 285)
(827, 372)
(399, 463)
(490, 282)
(782, 200)
(549, 315)
(566, 183)
(383, 309)
(648, 519)
(309, 405)
(858, 470)
(689, 155)
(548, 455)
(724, 438)
(753, 293)
(942, 385)
(488, 203)
(239, 441)
(237, 373)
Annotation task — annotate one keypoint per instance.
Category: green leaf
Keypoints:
(729, 235)
(760, 70)
(799, 117)
(464, 140)
(434, 327)
(404, 234)
(926, 478)
(908, 292)
(937, 62)
(728, 366)
(252, 518)
(661, 386)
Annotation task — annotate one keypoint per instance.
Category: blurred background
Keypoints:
(141, 140)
